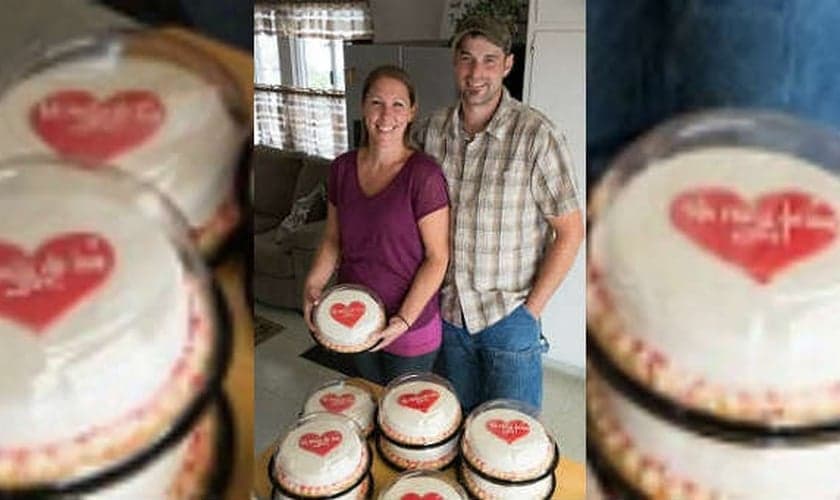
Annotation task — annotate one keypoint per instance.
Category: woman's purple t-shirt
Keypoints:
(381, 245)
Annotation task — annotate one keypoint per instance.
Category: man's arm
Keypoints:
(568, 235)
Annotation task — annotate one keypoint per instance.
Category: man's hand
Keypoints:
(395, 328)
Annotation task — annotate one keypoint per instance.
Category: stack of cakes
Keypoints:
(139, 101)
(323, 455)
(419, 420)
(110, 342)
(714, 264)
(507, 452)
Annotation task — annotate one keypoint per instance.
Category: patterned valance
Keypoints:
(331, 20)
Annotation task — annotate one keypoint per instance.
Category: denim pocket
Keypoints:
(513, 374)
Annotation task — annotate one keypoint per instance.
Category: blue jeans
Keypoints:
(381, 367)
(502, 361)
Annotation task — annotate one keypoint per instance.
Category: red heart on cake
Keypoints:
(761, 237)
(508, 430)
(320, 444)
(417, 496)
(422, 400)
(336, 403)
(37, 288)
(347, 314)
(76, 124)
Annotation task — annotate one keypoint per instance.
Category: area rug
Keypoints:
(332, 360)
(264, 329)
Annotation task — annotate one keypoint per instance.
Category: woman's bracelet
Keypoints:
(407, 324)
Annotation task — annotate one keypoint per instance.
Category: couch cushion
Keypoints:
(314, 171)
(270, 258)
(276, 174)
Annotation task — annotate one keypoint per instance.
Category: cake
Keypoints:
(665, 461)
(503, 440)
(324, 454)
(422, 485)
(713, 281)
(146, 104)
(419, 409)
(347, 317)
(712, 310)
(107, 331)
(485, 488)
(430, 457)
(346, 398)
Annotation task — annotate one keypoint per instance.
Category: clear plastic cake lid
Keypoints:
(320, 455)
(714, 268)
(422, 485)
(109, 336)
(505, 440)
(419, 409)
(143, 101)
(347, 317)
(345, 397)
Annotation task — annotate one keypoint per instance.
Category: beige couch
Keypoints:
(282, 258)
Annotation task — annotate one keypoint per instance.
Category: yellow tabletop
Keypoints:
(570, 475)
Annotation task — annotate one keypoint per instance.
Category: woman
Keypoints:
(388, 229)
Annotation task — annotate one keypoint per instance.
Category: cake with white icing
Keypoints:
(346, 398)
(347, 317)
(422, 485)
(324, 454)
(431, 457)
(146, 104)
(419, 409)
(504, 440)
(665, 461)
(713, 280)
(487, 489)
(107, 335)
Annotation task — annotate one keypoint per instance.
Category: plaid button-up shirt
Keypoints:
(502, 185)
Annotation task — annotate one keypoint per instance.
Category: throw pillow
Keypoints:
(305, 209)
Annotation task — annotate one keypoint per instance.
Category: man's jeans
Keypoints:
(502, 361)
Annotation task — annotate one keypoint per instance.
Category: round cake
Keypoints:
(347, 317)
(360, 492)
(107, 329)
(346, 398)
(146, 104)
(713, 273)
(419, 409)
(665, 461)
(324, 454)
(504, 440)
(487, 489)
(422, 485)
(431, 457)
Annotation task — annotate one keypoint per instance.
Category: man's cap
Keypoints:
(490, 28)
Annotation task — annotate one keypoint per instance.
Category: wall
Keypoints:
(406, 20)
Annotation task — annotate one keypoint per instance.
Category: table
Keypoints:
(570, 475)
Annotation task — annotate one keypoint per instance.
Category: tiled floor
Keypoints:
(283, 380)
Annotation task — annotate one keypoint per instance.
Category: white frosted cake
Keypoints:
(485, 489)
(96, 307)
(713, 280)
(153, 118)
(426, 458)
(419, 409)
(344, 398)
(347, 317)
(323, 455)
(505, 443)
(422, 485)
(665, 461)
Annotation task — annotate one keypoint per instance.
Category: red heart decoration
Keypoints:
(762, 237)
(417, 496)
(347, 314)
(76, 124)
(422, 400)
(336, 403)
(508, 430)
(37, 288)
(320, 444)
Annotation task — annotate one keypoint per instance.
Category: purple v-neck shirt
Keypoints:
(381, 246)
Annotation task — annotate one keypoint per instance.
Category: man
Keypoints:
(516, 224)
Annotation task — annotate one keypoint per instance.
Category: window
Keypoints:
(299, 73)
